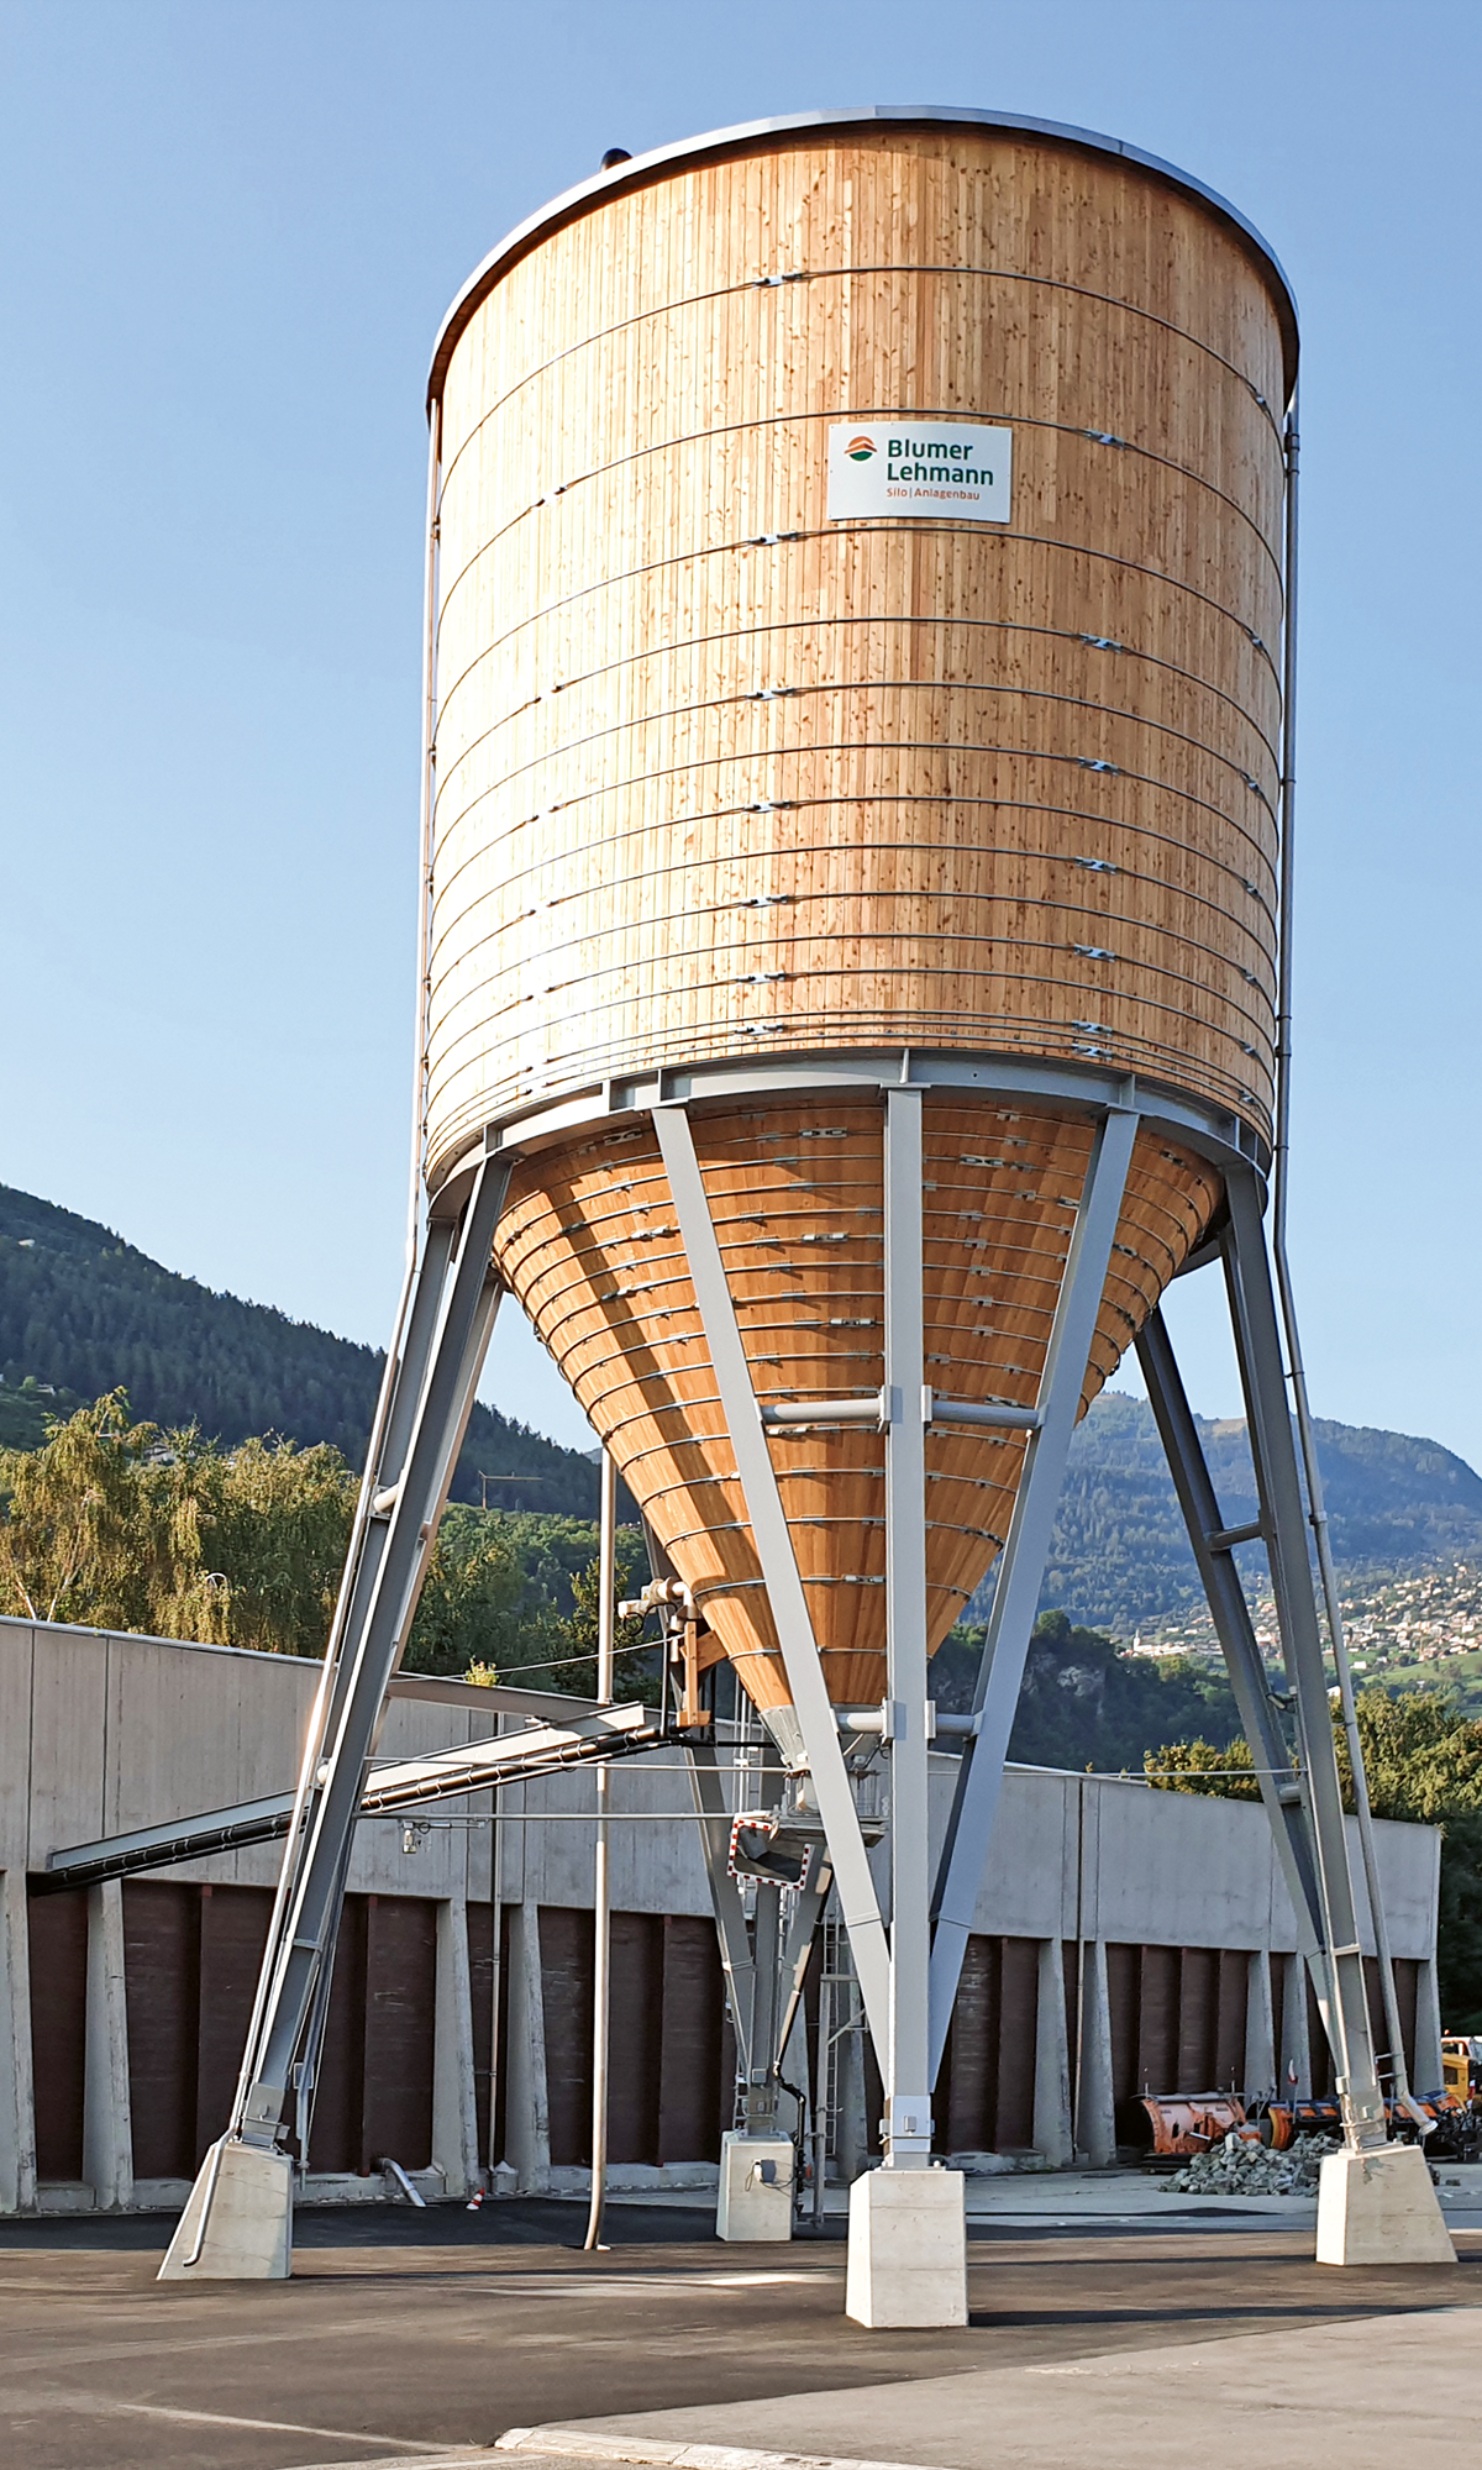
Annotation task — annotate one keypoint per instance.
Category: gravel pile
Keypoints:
(1232, 2168)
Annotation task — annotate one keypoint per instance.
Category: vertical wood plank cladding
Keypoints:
(481, 1994)
(1407, 1992)
(966, 2098)
(566, 1988)
(985, 2100)
(1317, 2039)
(1018, 2024)
(162, 1937)
(1229, 2041)
(401, 1994)
(233, 1926)
(1122, 1987)
(635, 2037)
(1198, 2022)
(690, 2062)
(589, 1244)
(57, 1928)
(1158, 2019)
(1407, 1982)
(715, 772)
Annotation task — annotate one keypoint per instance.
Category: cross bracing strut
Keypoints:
(964, 1856)
(400, 1784)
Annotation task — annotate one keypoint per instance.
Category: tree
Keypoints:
(514, 1594)
(81, 1538)
(1084, 1703)
(121, 1525)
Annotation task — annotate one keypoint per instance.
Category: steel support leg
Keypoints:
(907, 2071)
(807, 1912)
(1283, 1788)
(1284, 1523)
(737, 1961)
(1021, 1568)
(424, 1415)
(789, 1605)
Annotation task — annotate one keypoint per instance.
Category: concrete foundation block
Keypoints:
(249, 2229)
(907, 2248)
(754, 2199)
(1380, 2208)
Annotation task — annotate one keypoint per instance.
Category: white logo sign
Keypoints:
(911, 464)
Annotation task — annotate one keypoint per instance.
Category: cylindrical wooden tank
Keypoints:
(760, 737)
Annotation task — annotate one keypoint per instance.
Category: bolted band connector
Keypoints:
(906, 2129)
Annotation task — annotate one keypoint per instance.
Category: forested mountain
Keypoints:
(82, 1312)
(1120, 1557)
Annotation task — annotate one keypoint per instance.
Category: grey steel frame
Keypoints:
(1283, 1514)
(1302, 1793)
(427, 1398)
(1283, 1787)
(907, 1980)
(764, 1971)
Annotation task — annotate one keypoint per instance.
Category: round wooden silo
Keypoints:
(726, 777)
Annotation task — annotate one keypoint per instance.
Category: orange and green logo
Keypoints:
(860, 449)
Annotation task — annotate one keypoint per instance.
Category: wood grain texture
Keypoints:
(589, 1244)
(715, 774)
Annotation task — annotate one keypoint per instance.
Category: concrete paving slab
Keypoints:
(1401, 2388)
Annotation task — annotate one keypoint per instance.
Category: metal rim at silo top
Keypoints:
(642, 167)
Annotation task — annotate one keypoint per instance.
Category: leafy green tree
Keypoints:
(514, 1595)
(275, 1521)
(1084, 1702)
(636, 1671)
(121, 1525)
(477, 1605)
(80, 1536)
(1201, 1766)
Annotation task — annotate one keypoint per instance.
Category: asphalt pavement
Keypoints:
(411, 2337)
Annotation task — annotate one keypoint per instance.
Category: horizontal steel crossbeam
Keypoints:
(473, 1766)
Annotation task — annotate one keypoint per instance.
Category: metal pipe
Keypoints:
(821, 2074)
(826, 1411)
(1306, 1436)
(995, 1412)
(601, 1881)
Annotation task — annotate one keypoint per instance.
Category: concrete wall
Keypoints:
(101, 1733)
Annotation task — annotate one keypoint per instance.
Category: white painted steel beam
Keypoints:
(907, 2065)
(789, 1605)
(1021, 1569)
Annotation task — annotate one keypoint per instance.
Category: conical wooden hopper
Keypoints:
(590, 1246)
(730, 779)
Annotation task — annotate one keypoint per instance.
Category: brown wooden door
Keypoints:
(58, 1947)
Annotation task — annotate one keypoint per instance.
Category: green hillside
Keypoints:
(1120, 1558)
(82, 1312)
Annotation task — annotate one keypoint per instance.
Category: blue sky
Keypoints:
(231, 231)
